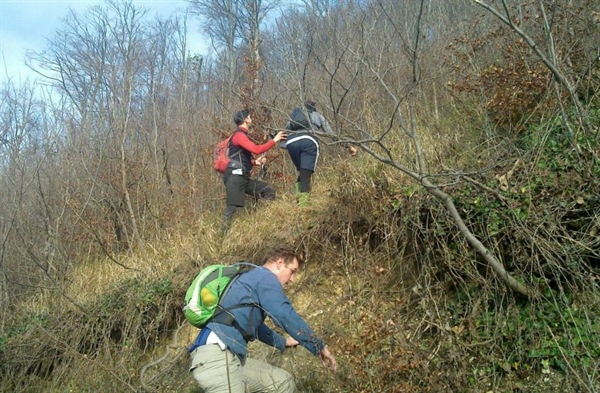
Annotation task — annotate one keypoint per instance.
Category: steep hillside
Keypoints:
(402, 300)
(459, 251)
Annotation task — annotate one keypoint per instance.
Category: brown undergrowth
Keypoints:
(403, 302)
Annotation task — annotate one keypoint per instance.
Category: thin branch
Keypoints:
(558, 75)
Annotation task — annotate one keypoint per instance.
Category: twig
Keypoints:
(76, 352)
(488, 189)
(161, 359)
(566, 359)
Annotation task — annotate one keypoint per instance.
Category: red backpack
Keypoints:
(221, 156)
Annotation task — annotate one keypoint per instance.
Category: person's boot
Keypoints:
(303, 199)
(227, 218)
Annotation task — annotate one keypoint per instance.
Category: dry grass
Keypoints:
(404, 304)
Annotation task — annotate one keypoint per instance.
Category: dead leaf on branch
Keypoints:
(504, 179)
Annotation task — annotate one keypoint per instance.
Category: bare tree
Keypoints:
(233, 25)
(383, 58)
(32, 255)
(221, 23)
(514, 17)
(96, 62)
(17, 121)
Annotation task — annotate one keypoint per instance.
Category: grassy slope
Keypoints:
(402, 311)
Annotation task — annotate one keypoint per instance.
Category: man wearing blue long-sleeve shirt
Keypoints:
(219, 357)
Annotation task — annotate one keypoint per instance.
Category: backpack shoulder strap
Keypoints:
(233, 134)
(223, 315)
(230, 145)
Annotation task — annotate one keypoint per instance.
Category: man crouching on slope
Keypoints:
(219, 362)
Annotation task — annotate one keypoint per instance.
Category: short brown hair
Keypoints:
(286, 253)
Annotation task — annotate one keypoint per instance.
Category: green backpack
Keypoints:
(208, 288)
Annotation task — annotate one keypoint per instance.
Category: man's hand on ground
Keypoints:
(328, 360)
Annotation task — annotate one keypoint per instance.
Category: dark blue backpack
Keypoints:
(299, 120)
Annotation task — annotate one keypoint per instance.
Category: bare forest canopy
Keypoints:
(473, 203)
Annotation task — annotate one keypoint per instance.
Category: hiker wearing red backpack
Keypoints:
(303, 146)
(237, 175)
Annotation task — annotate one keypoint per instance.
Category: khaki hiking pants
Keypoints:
(218, 371)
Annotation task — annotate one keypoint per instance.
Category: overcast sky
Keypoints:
(26, 24)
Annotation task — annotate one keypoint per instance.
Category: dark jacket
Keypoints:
(317, 122)
(241, 148)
